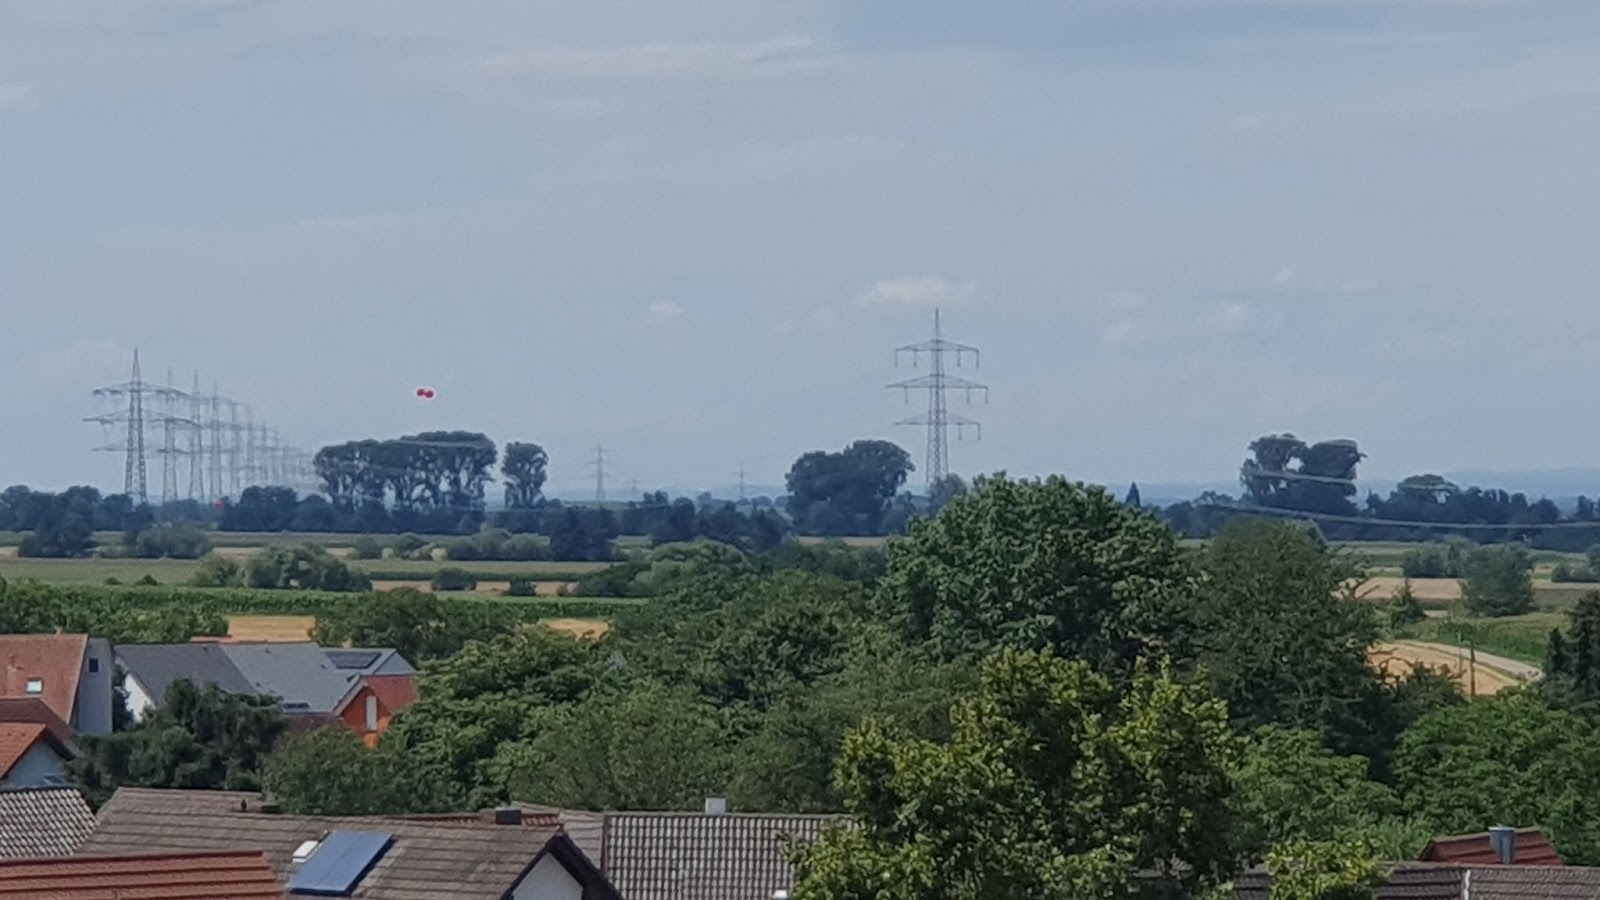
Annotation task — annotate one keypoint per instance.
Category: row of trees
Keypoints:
(1037, 693)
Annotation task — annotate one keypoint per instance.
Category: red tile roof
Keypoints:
(395, 692)
(202, 876)
(32, 709)
(1532, 849)
(16, 739)
(54, 659)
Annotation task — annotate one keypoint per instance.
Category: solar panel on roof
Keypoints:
(339, 864)
(353, 659)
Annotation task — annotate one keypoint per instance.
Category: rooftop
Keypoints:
(308, 679)
(17, 738)
(202, 876)
(45, 666)
(1532, 849)
(37, 822)
(457, 859)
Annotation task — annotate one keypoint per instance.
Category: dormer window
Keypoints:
(35, 685)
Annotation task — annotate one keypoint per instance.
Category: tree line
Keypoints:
(1038, 692)
(1285, 473)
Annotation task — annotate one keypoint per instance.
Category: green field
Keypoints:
(1516, 637)
(94, 570)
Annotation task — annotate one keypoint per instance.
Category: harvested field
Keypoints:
(583, 629)
(1401, 658)
(1437, 590)
(277, 629)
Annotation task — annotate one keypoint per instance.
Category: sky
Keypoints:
(694, 230)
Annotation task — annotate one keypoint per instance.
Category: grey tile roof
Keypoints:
(37, 822)
(1409, 882)
(695, 856)
(158, 665)
(369, 661)
(308, 679)
(428, 860)
(296, 673)
(1534, 883)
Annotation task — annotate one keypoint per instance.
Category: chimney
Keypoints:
(507, 815)
(1504, 842)
(716, 806)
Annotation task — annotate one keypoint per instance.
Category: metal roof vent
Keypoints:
(716, 806)
(1504, 842)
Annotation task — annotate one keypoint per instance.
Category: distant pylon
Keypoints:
(599, 464)
(134, 482)
(937, 383)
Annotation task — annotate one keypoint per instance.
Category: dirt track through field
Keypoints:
(277, 629)
(1494, 673)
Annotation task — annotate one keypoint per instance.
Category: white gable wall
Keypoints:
(139, 699)
(549, 880)
(39, 767)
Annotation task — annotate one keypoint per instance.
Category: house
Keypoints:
(235, 876)
(711, 855)
(35, 745)
(1427, 881)
(1497, 846)
(384, 858)
(361, 688)
(37, 822)
(71, 673)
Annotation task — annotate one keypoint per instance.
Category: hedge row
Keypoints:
(507, 575)
(252, 602)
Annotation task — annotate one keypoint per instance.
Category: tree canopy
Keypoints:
(1054, 784)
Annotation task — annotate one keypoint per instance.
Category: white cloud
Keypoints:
(662, 310)
(17, 98)
(1285, 276)
(1125, 334)
(922, 290)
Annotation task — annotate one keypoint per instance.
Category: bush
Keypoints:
(307, 567)
(1498, 581)
(181, 540)
(1434, 561)
(1404, 608)
(216, 571)
(1567, 573)
(365, 547)
(452, 578)
(407, 545)
(147, 581)
(112, 581)
(521, 587)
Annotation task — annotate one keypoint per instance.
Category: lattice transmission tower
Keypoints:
(938, 383)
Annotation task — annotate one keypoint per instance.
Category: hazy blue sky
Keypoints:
(695, 229)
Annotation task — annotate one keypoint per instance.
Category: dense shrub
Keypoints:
(521, 587)
(307, 567)
(217, 571)
(366, 547)
(1567, 573)
(1435, 561)
(1498, 581)
(452, 578)
(172, 540)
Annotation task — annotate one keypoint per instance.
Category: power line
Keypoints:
(937, 383)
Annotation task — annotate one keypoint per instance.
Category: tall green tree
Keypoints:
(1499, 581)
(524, 468)
(1038, 565)
(1508, 760)
(1324, 870)
(846, 493)
(1289, 787)
(645, 747)
(329, 772)
(1053, 785)
(201, 738)
(1280, 634)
